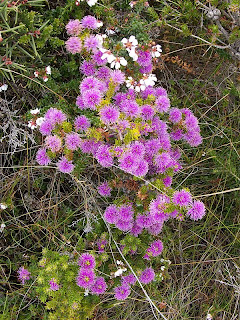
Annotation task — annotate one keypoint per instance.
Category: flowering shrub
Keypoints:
(136, 136)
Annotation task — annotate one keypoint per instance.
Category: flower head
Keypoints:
(87, 261)
(182, 198)
(104, 189)
(86, 278)
(82, 123)
(64, 165)
(53, 142)
(111, 214)
(99, 286)
(104, 156)
(109, 114)
(42, 157)
(73, 27)
(147, 275)
(89, 22)
(23, 274)
(197, 211)
(122, 292)
(53, 285)
(73, 141)
(74, 45)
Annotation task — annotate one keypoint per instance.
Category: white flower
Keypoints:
(3, 87)
(130, 83)
(36, 74)
(209, 317)
(156, 51)
(129, 43)
(35, 111)
(148, 80)
(162, 268)
(109, 31)
(107, 54)
(39, 121)
(117, 62)
(86, 292)
(99, 24)
(119, 262)
(132, 3)
(48, 70)
(92, 2)
(31, 125)
(2, 227)
(45, 78)
(119, 272)
(132, 53)
(3, 206)
(100, 38)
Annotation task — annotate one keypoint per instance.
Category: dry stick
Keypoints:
(220, 192)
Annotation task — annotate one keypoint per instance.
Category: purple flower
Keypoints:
(129, 279)
(97, 58)
(72, 141)
(101, 243)
(167, 181)
(46, 128)
(147, 112)
(142, 169)
(53, 285)
(130, 108)
(73, 27)
(147, 276)
(124, 225)
(54, 143)
(152, 146)
(104, 156)
(109, 114)
(125, 213)
(42, 157)
(118, 76)
(149, 91)
(146, 69)
(55, 116)
(177, 134)
(136, 230)
(91, 98)
(99, 287)
(182, 198)
(144, 58)
(80, 103)
(86, 278)
(87, 261)
(137, 149)
(90, 83)
(160, 92)
(193, 138)
(155, 249)
(103, 73)
(23, 274)
(82, 123)
(89, 22)
(157, 208)
(64, 165)
(74, 45)
(88, 68)
(175, 115)
(104, 189)
(128, 162)
(155, 228)
(197, 211)
(111, 214)
(91, 43)
(122, 292)
(144, 221)
(162, 161)
(162, 104)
